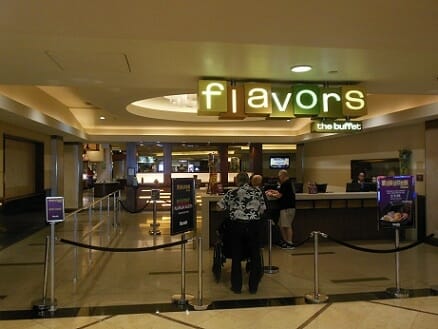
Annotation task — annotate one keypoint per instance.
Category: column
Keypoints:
(73, 168)
(131, 159)
(223, 158)
(256, 158)
(57, 165)
(299, 163)
(167, 164)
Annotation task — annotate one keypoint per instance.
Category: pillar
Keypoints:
(73, 169)
(223, 158)
(299, 163)
(256, 158)
(167, 164)
(57, 165)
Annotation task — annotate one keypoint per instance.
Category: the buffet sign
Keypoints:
(336, 126)
(396, 201)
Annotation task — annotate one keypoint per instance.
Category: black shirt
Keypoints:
(287, 199)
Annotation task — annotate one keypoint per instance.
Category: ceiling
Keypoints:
(66, 63)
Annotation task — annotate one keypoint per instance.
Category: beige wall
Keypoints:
(328, 161)
(431, 169)
(20, 132)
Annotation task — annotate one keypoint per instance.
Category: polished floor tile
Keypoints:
(97, 289)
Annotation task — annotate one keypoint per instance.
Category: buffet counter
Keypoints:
(343, 215)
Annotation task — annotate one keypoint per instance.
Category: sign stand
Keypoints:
(42, 305)
(53, 301)
(54, 214)
(397, 291)
(199, 304)
(183, 298)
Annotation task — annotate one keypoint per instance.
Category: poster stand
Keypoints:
(397, 291)
(182, 220)
(183, 298)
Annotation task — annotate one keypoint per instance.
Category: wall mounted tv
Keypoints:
(279, 162)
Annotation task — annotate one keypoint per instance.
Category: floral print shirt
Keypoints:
(244, 203)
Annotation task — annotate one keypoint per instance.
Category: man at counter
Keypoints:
(357, 184)
(286, 197)
(245, 206)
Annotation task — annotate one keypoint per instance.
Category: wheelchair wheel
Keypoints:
(218, 261)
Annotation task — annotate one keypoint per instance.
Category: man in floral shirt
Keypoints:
(244, 205)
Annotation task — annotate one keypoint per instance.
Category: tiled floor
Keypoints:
(134, 290)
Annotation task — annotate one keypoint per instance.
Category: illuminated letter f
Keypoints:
(209, 92)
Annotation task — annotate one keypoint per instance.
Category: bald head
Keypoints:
(283, 175)
(256, 180)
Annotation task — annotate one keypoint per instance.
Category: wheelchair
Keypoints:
(222, 251)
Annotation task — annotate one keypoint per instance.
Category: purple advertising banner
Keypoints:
(396, 201)
(54, 209)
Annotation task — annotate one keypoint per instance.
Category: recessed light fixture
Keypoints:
(300, 68)
(102, 117)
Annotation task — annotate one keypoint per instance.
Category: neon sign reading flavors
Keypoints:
(219, 97)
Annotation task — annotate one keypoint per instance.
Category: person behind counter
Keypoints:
(286, 197)
(245, 205)
(357, 184)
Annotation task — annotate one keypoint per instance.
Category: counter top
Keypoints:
(317, 196)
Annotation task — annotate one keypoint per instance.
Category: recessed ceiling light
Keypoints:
(300, 68)
(102, 117)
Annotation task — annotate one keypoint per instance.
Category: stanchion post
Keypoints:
(41, 305)
(397, 291)
(316, 297)
(154, 226)
(53, 301)
(115, 210)
(90, 215)
(108, 206)
(199, 304)
(270, 269)
(155, 195)
(183, 298)
(75, 250)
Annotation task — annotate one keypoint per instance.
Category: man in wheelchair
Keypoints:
(241, 231)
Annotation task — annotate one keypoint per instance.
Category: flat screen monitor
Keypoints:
(279, 162)
(353, 187)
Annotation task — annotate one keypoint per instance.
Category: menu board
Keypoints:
(183, 205)
(396, 201)
(54, 209)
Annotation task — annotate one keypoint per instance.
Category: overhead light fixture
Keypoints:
(102, 117)
(300, 68)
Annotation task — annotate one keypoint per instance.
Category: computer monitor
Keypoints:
(298, 187)
(321, 188)
(369, 187)
(353, 187)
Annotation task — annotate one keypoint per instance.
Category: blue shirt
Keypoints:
(244, 203)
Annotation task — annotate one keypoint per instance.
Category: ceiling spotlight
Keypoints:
(102, 117)
(300, 68)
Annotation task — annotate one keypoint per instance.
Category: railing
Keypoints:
(110, 219)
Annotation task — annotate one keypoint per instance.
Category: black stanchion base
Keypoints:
(398, 293)
(156, 232)
(43, 307)
(270, 269)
